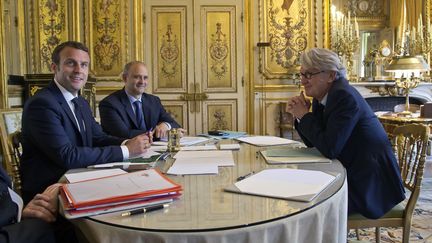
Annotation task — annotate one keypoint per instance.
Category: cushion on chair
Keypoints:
(396, 212)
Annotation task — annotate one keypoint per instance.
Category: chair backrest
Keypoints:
(411, 146)
(10, 124)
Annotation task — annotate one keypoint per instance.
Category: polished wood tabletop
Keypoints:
(205, 206)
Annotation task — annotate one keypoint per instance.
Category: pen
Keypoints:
(245, 176)
(144, 210)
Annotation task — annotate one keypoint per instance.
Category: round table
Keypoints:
(207, 213)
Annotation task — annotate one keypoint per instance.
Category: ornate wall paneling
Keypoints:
(114, 35)
(285, 29)
(49, 24)
(169, 48)
(194, 61)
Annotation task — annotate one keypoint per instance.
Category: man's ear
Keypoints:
(53, 67)
(332, 76)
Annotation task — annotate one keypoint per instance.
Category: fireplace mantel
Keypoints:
(422, 92)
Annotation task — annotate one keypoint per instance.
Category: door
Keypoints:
(196, 61)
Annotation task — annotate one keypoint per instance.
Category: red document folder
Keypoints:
(126, 189)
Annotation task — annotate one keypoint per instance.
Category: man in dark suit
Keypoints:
(32, 224)
(342, 126)
(130, 112)
(58, 128)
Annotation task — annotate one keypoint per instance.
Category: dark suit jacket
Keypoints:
(52, 143)
(28, 230)
(349, 131)
(118, 118)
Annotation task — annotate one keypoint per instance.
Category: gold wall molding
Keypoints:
(52, 23)
(277, 88)
(169, 48)
(288, 30)
(220, 115)
(48, 27)
(219, 46)
(365, 8)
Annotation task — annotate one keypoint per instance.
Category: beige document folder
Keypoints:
(290, 184)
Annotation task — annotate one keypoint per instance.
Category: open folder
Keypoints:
(290, 184)
(290, 155)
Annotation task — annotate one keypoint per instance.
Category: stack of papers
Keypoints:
(115, 193)
(93, 174)
(293, 156)
(292, 184)
(184, 141)
(200, 162)
(266, 140)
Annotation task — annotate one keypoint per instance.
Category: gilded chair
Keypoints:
(286, 123)
(10, 127)
(411, 144)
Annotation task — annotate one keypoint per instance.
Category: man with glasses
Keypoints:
(342, 126)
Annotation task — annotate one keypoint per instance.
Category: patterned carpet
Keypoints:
(421, 229)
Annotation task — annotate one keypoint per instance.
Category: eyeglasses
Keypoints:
(309, 75)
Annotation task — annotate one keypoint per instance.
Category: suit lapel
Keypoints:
(61, 100)
(124, 99)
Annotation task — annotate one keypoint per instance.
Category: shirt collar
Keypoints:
(324, 100)
(132, 99)
(66, 94)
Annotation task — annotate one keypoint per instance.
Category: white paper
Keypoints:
(199, 147)
(266, 140)
(192, 167)
(184, 141)
(200, 162)
(233, 146)
(285, 183)
(88, 175)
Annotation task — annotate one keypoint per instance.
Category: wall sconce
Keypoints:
(407, 72)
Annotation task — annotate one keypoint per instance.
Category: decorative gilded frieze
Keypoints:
(107, 36)
(52, 29)
(169, 53)
(219, 53)
(218, 50)
(365, 8)
(285, 27)
(169, 49)
(220, 115)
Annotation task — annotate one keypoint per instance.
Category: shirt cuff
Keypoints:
(125, 151)
(168, 125)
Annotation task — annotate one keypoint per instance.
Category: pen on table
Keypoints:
(144, 210)
(245, 176)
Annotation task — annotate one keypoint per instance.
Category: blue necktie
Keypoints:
(79, 117)
(139, 115)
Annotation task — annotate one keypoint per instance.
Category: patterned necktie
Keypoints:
(79, 117)
(139, 115)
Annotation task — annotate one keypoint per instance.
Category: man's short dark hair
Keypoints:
(55, 57)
